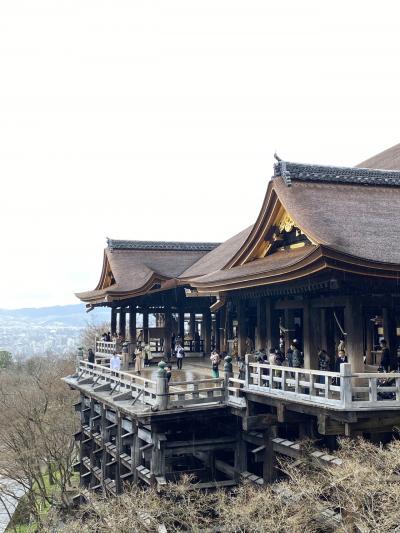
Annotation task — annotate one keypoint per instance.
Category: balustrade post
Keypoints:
(373, 389)
(345, 384)
(161, 388)
(79, 358)
(228, 373)
(247, 375)
(125, 356)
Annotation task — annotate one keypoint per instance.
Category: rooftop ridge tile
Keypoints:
(331, 174)
(116, 244)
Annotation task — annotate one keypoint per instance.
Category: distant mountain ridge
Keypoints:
(72, 315)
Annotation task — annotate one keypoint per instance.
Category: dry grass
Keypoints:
(364, 493)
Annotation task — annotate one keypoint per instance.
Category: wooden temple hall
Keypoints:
(319, 267)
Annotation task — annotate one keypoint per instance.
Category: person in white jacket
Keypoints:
(115, 362)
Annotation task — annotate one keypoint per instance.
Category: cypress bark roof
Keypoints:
(388, 159)
(351, 217)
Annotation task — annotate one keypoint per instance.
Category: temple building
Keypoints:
(319, 267)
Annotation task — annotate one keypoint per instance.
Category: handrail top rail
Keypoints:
(207, 380)
(118, 373)
(237, 380)
(366, 375)
(296, 369)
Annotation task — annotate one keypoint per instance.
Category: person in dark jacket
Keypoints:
(289, 357)
(90, 357)
(297, 356)
(385, 358)
(341, 358)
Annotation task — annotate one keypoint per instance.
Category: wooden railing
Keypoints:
(105, 348)
(200, 391)
(342, 390)
(235, 392)
(123, 386)
(119, 382)
(193, 346)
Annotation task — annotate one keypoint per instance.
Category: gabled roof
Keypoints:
(388, 159)
(138, 270)
(350, 216)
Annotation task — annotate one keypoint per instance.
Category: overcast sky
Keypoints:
(159, 120)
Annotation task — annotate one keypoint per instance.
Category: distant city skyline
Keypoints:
(159, 121)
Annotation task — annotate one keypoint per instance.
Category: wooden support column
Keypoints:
(269, 467)
(157, 465)
(132, 324)
(311, 335)
(289, 327)
(353, 324)
(135, 452)
(113, 320)
(181, 326)
(207, 330)
(261, 341)
(167, 332)
(389, 333)
(145, 326)
(122, 322)
(192, 325)
(242, 333)
(268, 325)
(240, 454)
(323, 339)
(223, 344)
(118, 484)
(218, 331)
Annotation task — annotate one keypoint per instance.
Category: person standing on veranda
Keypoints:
(215, 361)
(180, 354)
(138, 360)
(115, 362)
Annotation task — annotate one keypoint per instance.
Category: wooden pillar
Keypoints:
(389, 333)
(269, 467)
(145, 326)
(323, 339)
(242, 332)
(353, 324)
(370, 340)
(289, 327)
(181, 327)
(122, 322)
(223, 344)
(261, 341)
(192, 325)
(311, 335)
(118, 442)
(218, 331)
(268, 325)
(240, 454)
(207, 330)
(113, 320)
(167, 332)
(132, 324)
(157, 465)
(135, 452)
